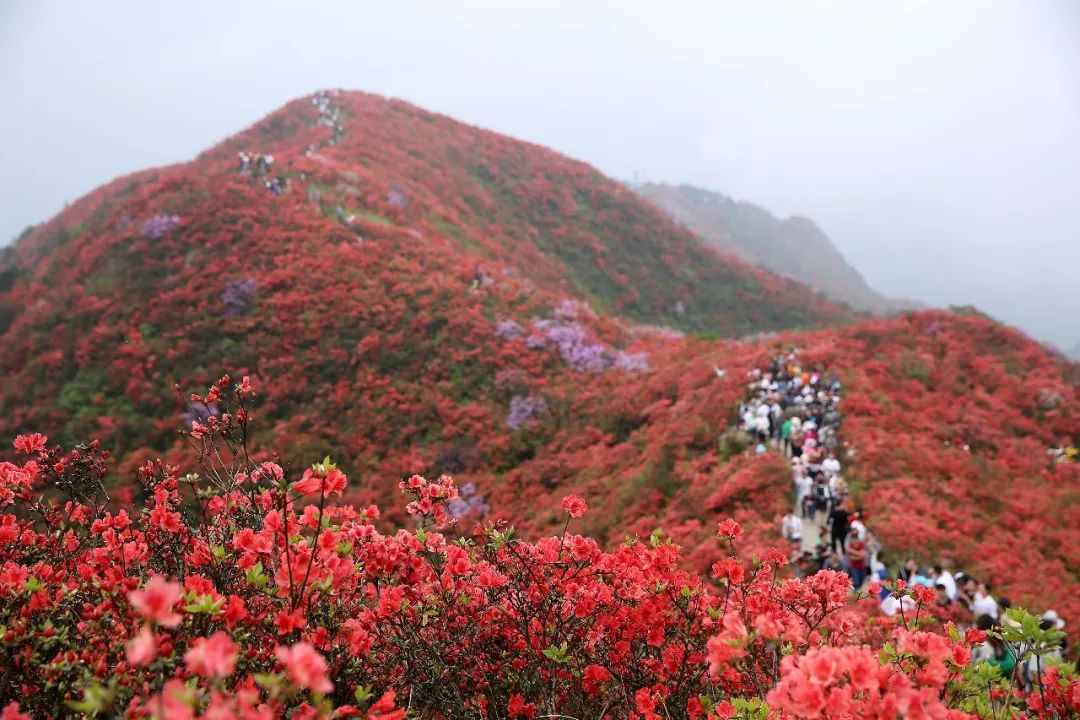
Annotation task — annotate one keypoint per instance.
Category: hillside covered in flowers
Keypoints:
(399, 277)
(416, 298)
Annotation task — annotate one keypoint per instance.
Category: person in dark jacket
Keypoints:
(839, 526)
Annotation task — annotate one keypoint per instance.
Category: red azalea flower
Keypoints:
(211, 657)
(156, 600)
(729, 528)
(305, 667)
(517, 707)
(574, 505)
(142, 648)
(31, 444)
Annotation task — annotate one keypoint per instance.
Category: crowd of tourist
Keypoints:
(796, 411)
(260, 166)
(329, 115)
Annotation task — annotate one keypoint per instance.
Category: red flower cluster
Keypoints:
(575, 506)
(263, 600)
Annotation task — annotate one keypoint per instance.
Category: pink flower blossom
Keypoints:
(214, 656)
(30, 444)
(574, 505)
(11, 712)
(156, 600)
(142, 648)
(729, 528)
(305, 667)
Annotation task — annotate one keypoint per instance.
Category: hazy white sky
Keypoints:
(938, 143)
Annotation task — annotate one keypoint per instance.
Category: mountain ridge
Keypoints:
(794, 246)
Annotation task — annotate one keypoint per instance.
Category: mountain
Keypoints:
(794, 247)
(377, 269)
(412, 294)
(1074, 353)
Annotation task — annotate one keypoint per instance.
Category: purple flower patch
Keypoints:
(238, 295)
(508, 330)
(563, 332)
(156, 227)
(468, 502)
(524, 408)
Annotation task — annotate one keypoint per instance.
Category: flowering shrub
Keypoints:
(387, 333)
(238, 294)
(241, 591)
(468, 502)
(564, 333)
(572, 342)
(524, 408)
(156, 227)
(630, 362)
(508, 329)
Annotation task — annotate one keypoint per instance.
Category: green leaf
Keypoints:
(96, 699)
(206, 605)
(256, 576)
(557, 654)
(324, 467)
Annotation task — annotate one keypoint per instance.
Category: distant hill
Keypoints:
(794, 247)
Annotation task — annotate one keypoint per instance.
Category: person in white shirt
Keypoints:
(944, 577)
(762, 427)
(984, 603)
(838, 486)
(803, 485)
(749, 419)
(857, 526)
(831, 465)
(792, 528)
(892, 605)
